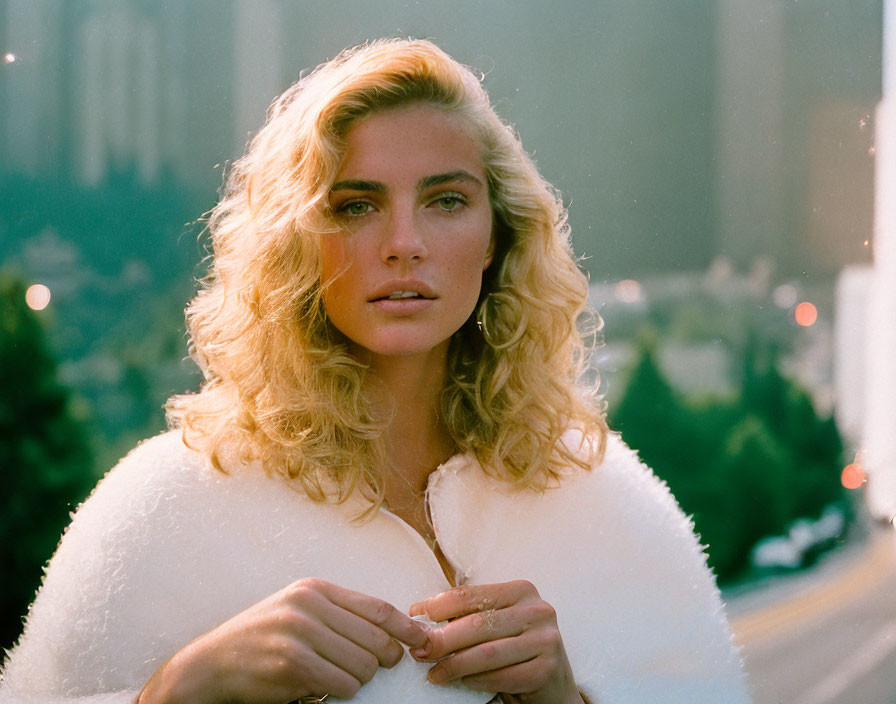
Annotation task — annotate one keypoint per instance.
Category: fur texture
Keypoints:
(166, 548)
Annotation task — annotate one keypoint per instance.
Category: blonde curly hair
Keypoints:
(280, 386)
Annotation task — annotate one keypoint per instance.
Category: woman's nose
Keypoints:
(403, 239)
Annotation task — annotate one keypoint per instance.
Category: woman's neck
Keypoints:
(406, 390)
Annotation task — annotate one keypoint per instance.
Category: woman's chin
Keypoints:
(399, 347)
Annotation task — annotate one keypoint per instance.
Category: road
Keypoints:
(826, 637)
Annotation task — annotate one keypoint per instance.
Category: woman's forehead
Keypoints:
(419, 138)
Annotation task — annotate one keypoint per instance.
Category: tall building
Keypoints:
(681, 131)
(258, 64)
(118, 108)
(32, 106)
(796, 88)
(100, 85)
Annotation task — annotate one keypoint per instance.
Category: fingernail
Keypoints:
(421, 640)
(422, 651)
(417, 609)
(437, 675)
(400, 657)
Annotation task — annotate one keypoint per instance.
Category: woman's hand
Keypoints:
(500, 638)
(309, 639)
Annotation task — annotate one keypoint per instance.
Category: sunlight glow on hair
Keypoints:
(273, 363)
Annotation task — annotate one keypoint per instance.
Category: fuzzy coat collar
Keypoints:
(166, 548)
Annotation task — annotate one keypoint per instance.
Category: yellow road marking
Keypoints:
(877, 562)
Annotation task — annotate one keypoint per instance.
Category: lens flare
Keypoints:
(853, 476)
(628, 291)
(785, 296)
(805, 314)
(9, 58)
(37, 297)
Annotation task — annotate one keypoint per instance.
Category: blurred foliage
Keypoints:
(737, 310)
(151, 351)
(118, 257)
(117, 220)
(106, 251)
(743, 467)
(45, 457)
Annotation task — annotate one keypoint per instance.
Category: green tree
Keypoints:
(751, 496)
(744, 467)
(649, 414)
(45, 457)
(813, 443)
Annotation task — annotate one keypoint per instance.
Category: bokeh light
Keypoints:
(37, 297)
(784, 296)
(628, 291)
(853, 476)
(9, 58)
(805, 314)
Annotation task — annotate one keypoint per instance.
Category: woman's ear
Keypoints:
(489, 253)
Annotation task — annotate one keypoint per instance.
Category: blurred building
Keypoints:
(797, 86)
(34, 102)
(118, 109)
(680, 131)
(104, 85)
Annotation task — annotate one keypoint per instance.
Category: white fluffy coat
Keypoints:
(166, 548)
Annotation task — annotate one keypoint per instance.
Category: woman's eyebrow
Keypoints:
(359, 185)
(425, 182)
(450, 177)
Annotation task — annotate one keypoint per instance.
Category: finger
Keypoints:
(309, 676)
(469, 599)
(348, 656)
(364, 634)
(331, 679)
(514, 679)
(380, 613)
(471, 630)
(485, 657)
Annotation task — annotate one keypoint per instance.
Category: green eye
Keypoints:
(450, 201)
(356, 207)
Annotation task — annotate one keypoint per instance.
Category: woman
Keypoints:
(390, 450)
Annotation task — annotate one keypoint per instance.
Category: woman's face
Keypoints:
(412, 197)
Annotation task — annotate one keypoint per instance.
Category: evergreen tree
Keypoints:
(813, 444)
(744, 468)
(648, 410)
(671, 437)
(45, 459)
(754, 478)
